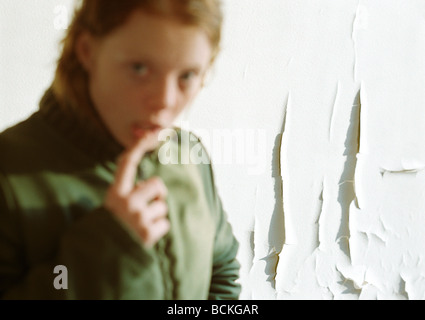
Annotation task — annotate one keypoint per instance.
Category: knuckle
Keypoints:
(160, 186)
(143, 220)
(156, 181)
(153, 233)
(159, 209)
(163, 208)
(167, 226)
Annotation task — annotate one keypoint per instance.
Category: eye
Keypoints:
(187, 77)
(139, 68)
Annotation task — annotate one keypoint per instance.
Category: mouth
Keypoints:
(140, 130)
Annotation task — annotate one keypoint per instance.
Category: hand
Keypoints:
(140, 206)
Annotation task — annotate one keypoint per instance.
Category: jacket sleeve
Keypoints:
(11, 249)
(225, 272)
(224, 285)
(93, 250)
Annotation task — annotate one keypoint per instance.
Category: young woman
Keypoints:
(82, 188)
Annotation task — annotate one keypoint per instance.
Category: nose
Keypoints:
(164, 94)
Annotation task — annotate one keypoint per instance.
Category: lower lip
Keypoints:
(141, 132)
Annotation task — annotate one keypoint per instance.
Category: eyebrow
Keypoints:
(196, 67)
(124, 55)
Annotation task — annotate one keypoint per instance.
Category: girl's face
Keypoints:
(142, 75)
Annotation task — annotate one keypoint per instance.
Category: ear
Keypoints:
(85, 50)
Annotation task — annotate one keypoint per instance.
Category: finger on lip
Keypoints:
(127, 167)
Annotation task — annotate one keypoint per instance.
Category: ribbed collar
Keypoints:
(86, 132)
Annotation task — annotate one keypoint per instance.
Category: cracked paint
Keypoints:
(352, 169)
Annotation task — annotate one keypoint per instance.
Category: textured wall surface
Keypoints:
(314, 116)
(339, 211)
(352, 152)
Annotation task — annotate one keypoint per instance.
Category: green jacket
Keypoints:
(54, 172)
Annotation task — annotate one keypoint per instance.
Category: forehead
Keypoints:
(158, 38)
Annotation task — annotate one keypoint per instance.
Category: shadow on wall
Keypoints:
(346, 195)
(276, 234)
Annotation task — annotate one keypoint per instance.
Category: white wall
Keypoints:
(29, 35)
(334, 207)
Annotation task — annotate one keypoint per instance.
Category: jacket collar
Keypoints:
(86, 132)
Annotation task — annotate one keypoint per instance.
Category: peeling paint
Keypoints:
(354, 212)
(331, 122)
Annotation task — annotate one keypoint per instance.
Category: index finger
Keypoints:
(128, 163)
